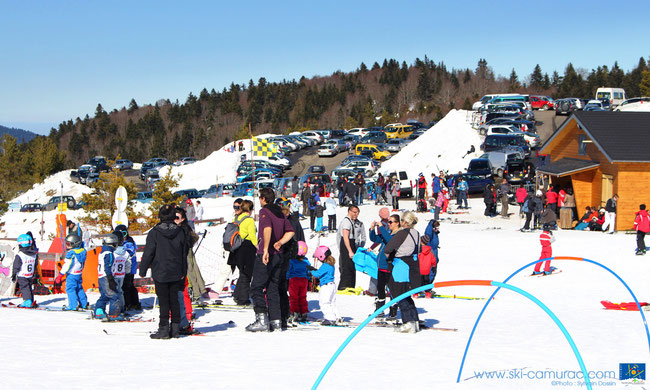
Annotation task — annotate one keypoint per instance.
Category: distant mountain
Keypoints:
(20, 134)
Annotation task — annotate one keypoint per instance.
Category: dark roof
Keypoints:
(566, 166)
(621, 136)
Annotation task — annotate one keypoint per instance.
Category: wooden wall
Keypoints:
(631, 180)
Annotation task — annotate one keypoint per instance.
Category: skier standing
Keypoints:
(642, 226)
(73, 267)
(24, 269)
(105, 279)
(546, 238)
(327, 293)
(298, 280)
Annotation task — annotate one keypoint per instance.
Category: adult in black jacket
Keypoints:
(530, 203)
(166, 253)
(488, 199)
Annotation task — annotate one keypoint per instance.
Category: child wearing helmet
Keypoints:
(546, 238)
(298, 277)
(72, 269)
(121, 264)
(105, 279)
(24, 269)
(327, 294)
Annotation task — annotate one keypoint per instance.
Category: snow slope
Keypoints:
(513, 334)
(440, 148)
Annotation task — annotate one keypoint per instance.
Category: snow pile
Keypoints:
(218, 167)
(51, 186)
(440, 148)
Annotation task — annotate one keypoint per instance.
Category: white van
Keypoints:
(614, 95)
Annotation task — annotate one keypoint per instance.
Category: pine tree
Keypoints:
(132, 106)
(513, 80)
(644, 85)
(536, 78)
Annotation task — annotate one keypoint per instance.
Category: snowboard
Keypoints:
(629, 306)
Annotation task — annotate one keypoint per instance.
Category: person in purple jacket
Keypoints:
(274, 231)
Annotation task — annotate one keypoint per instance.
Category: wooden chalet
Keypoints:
(600, 154)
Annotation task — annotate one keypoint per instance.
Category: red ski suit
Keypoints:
(547, 252)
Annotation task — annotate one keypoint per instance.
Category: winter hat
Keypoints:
(538, 193)
(384, 213)
(602, 210)
(420, 175)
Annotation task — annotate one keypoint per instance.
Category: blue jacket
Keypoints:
(298, 268)
(434, 241)
(109, 258)
(130, 247)
(436, 184)
(382, 239)
(325, 274)
(316, 200)
(75, 259)
(462, 186)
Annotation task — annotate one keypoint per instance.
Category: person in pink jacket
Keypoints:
(521, 195)
(642, 226)
(440, 201)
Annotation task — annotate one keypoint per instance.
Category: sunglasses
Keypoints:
(178, 217)
(236, 207)
(391, 222)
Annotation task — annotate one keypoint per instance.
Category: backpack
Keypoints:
(231, 238)
(524, 207)
(312, 201)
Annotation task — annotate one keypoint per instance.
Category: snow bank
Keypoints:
(440, 148)
(51, 186)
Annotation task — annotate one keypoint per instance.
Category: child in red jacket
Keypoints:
(642, 226)
(546, 239)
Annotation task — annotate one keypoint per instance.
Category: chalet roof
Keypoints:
(567, 166)
(621, 136)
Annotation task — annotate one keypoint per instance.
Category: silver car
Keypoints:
(394, 145)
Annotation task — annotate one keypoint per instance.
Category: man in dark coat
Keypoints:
(166, 253)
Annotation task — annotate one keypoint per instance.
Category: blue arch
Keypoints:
(462, 363)
(445, 284)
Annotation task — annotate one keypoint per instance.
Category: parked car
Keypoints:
(406, 184)
(256, 175)
(123, 164)
(314, 178)
(565, 106)
(86, 173)
(374, 151)
(394, 145)
(355, 157)
(144, 197)
(190, 193)
(147, 165)
(542, 103)
(325, 133)
(314, 135)
(99, 162)
(343, 172)
(615, 96)
(337, 134)
(634, 104)
(185, 161)
(243, 189)
(532, 138)
(402, 131)
(55, 200)
(31, 207)
(499, 129)
(500, 141)
(328, 150)
(316, 169)
(351, 139)
(340, 144)
(363, 166)
(360, 131)
(476, 181)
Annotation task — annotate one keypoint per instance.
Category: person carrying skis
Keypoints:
(327, 292)
(105, 279)
(24, 269)
(642, 226)
(546, 238)
(73, 267)
(298, 280)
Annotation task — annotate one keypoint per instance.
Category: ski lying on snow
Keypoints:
(11, 305)
(373, 324)
(629, 306)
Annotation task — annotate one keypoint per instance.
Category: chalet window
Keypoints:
(582, 145)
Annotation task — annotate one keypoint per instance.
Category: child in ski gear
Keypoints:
(430, 238)
(395, 194)
(327, 293)
(330, 208)
(439, 203)
(24, 269)
(121, 263)
(462, 192)
(131, 298)
(75, 259)
(546, 238)
(642, 226)
(298, 277)
(108, 289)
(318, 209)
(312, 202)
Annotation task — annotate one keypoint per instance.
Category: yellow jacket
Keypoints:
(247, 229)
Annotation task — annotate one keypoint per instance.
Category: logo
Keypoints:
(632, 371)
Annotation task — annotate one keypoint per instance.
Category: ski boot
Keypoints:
(547, 272)
(536, 273)
(277, 325)
(99, 314)
(392, 313)
(162, 334)
(378, 304)
(302, 317)
(261, 323)
(639, 252)
(174, 331)
(408, 327)
(27, 303)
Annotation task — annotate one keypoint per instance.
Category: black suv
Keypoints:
(99, 162)
(565, 106)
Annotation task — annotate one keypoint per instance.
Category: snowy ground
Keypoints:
(514, 333)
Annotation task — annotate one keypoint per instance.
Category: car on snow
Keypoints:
(86, 173)
(31, 207)
(144, 197)
(185, 161)
(56, 200)
(123, 164)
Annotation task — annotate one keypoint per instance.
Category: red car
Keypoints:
(541, 103)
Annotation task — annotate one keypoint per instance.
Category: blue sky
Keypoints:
(61, 58)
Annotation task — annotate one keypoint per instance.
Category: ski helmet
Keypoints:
(322, 252)
(302, 248)
(282, 202)
(25, 241)
(120, 236)
(73, 241)
(111, 240)
(122, 229)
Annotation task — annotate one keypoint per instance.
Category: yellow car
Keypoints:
(374, 151)
(402, 131)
